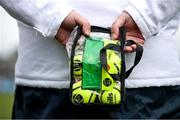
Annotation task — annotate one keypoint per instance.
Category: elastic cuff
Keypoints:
(43, 83)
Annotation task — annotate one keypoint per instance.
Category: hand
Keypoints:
(70, 22)
(132, 30)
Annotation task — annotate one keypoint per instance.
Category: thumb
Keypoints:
(119, 22)
(84, 23)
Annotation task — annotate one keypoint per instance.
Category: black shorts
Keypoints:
(152, 102)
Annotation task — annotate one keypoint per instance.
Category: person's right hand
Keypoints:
(69, 23)
(132, 30)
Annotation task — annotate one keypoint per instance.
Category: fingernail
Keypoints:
(87, 32)
(128, 49)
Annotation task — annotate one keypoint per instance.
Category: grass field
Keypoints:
(6, 103)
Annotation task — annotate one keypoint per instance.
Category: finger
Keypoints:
(134, 47)
(62, 36)
(86, 29)
(128, 49)
(119, 22)
(81, 21)
(136, 39)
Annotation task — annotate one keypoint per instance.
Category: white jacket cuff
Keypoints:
(139, 21)
(51, 26)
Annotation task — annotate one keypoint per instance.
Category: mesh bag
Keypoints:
(97, 66)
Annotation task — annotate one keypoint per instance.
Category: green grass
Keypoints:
(6, 103)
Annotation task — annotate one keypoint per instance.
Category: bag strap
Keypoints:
(138, 56)
(120, 49)
(103, 58)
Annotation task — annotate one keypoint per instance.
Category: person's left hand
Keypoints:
(69, 23)
(132, 30)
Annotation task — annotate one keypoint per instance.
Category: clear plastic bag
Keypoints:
(97, 66)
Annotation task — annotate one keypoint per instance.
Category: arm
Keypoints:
(53, 18)
(152, 15)
(44, 15)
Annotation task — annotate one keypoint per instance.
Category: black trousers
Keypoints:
(153, 102)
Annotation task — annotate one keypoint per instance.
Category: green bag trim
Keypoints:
(91, 71)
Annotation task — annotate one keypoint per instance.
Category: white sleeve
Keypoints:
(152, 15)
(44, 15)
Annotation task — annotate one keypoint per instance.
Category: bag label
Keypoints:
(91, 72)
